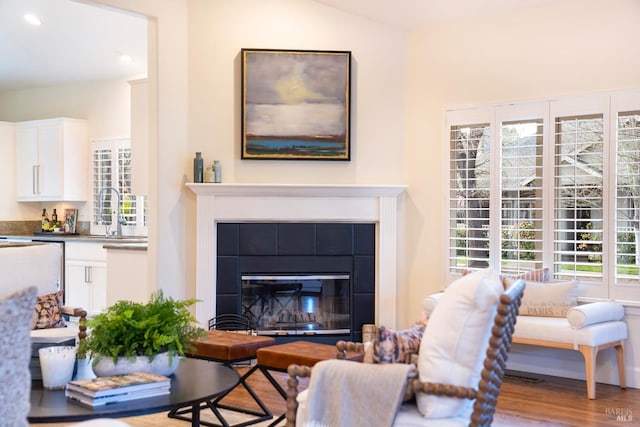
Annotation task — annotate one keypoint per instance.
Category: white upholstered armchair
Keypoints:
(461, 363)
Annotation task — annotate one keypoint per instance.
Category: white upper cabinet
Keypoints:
(51, 160)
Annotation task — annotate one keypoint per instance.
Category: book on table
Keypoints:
(118, 388)
(115, 398)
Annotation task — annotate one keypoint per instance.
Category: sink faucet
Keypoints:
(118, 232)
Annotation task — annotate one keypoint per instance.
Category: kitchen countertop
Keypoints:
(127, 242)
(4, 244)
(127, 246)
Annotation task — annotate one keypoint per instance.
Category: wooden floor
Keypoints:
(525, 400)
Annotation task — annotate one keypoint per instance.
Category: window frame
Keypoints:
(141, 226)
(608, 105)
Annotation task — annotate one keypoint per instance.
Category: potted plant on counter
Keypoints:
(130, 336)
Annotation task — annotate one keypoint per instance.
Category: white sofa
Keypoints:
(39, 265)
(587, 328)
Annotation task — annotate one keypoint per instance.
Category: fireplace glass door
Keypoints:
(306, 304)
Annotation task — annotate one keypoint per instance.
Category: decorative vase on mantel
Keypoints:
(161, 364)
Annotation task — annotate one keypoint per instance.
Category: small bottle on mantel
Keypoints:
(198, 168)
(208, 175)
(217, 170)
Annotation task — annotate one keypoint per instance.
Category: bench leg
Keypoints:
(590, 353)
(621, 367)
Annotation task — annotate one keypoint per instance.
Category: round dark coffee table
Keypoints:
(195, 382)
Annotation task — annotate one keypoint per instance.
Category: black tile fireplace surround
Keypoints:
(298, 248)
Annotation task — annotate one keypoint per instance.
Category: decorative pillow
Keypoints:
(455, 340)
(594, 312)
(539, 275)
(549, 299)
(48, 312)
(397, 346)
(429, 303)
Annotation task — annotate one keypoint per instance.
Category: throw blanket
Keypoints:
(344, 393)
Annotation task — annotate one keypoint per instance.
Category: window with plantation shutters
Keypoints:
(112, 169)
(469, 196)
(627, 208)
(551, 184)
(578, 197)
(521, 146)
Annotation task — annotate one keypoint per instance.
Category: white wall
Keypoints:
(104, 104)
(562, 48)
(218, 30)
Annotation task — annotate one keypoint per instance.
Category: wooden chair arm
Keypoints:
(79, 313)
(295, 372)
(447, 390)
(343, 347)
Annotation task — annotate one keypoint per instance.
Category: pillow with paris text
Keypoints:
(549, 299)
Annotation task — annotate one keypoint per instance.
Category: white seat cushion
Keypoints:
(557, 329)
(54, 335)
(408, 416)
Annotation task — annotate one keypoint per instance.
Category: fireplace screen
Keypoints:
(305, 304)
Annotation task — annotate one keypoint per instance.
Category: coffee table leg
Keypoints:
(194, 411)
(262, 415)
(195, 415)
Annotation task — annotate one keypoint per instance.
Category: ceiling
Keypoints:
(415, 14)
(75, 43)
(78, 42)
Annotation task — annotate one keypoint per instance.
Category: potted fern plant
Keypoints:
(131, 336)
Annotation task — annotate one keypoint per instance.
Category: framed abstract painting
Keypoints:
(296, 104)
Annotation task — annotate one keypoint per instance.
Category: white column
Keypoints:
(387, 262)
(206, 252)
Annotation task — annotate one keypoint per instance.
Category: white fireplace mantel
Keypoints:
(297, 203)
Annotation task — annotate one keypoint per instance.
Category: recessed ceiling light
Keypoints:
(126, 58)
(32, 19)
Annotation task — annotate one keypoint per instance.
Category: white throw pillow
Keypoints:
(549, 299)
(455, 341)
(595, 312)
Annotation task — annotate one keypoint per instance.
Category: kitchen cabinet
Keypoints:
(86, 276)
(52, 160)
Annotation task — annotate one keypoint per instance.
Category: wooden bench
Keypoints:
(588, 328)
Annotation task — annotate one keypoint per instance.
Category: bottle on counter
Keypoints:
(54, 217)
(217, 171)
(44, 221)
(198, 168)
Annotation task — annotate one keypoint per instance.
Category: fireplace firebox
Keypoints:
(306, 304)
(311, 281)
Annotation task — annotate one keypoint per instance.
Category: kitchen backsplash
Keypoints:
(29, 227)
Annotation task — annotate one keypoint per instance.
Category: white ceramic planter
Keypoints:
(159, 365)
(84, 371)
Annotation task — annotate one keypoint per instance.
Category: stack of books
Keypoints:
(117, 388)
